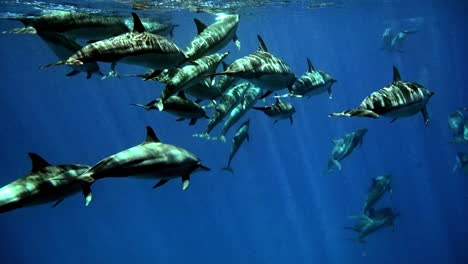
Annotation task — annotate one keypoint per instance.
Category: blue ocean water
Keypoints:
(278, 206)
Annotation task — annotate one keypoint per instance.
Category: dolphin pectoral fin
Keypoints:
(193, 121)
(291, 120)
(57, 203)
(87, 194)
(180, 119)
(185, 182)
(228, 168)
(266, 94)
(160, 183)
(425, 115)
(337, 164)
(330, 93)
(237, 42)
(72, 73)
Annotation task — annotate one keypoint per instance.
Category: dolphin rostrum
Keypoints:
(151, 159)
(399, 99)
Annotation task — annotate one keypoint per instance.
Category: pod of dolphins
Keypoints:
(192, 71)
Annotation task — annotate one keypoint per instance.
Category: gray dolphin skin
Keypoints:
(393, 42)
(344, 146)
(63, 47)
(44, 184)
(91, 27)
(151, 159)
(380, 185)
(249, 98)
(137, 47)
(461, 162)
(204, 90)
(179, 79)
(214, 37)
(459, 126)
(179, 106)
(311, 83)
(228, 101)
(263, 69)
(399, 99)
(224, 82)
(376, 220)
(279, 110)
(241, 135)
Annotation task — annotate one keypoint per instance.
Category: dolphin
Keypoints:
(380, 185)
(398, 40)
(180, 106)
(204, 90)
(44, 184)
(263, 69)
(241, 135)
(459, 126)
(278, 110)
(63, 47)
(399, 99)
(211, 39)
(376, 220)
(179, 79)
(151, 159)
(249, 98)
(343, 147)
(224, 82)
(311, 83)
(228, 101)
(137, 47)
(461, 162)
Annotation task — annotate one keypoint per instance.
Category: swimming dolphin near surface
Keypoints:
(380, 185)
(214, 37)
(459, 126)
(228, 101)
(461, 162)
(394, 42)
(399, 99)
(44, 184)
(241, 135)
(279, 110)
(91, 27)
(344, 146)
(63, 47)
(249, 98)
(137, 47)
(180, 79)
(180, 106)
(376, 220)
(263, 69)
(151, 159)
(311, 83)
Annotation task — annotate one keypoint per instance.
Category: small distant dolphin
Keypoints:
(249, 98)
(228, 101)
(313, 82)
(394, 42)
(376, 220)
(380, 185)
(399, 99)
(137, 47)
(263, 69)
(461, 162)
(343, 147)
(180, 106)
(459, 126)
(214, 37)
(63, 47)
(152, 159)
(180, 79)
(241, 135)
(279, 110)
(44, 184)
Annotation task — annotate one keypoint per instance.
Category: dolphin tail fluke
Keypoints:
(72, 73)
(228, 168)
(356, 112)
(24, 30)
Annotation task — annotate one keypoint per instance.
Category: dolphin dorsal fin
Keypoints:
(37, 162)
(200, 25)
(150, 136)
(311, 67)
(396, 75)
(261, 44)
(137, 25)
(181, 94)
(277, 101)
(225, 65)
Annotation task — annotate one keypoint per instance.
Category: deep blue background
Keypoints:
(278, 207)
